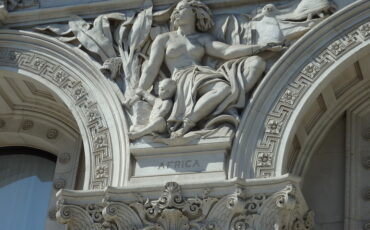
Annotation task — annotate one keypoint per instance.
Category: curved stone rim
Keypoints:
(76, 79)
(257, 156)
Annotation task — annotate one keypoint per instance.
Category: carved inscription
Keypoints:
(180, 164)
(172, 164)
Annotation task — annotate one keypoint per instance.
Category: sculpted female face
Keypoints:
(183, 14)
(268, 9)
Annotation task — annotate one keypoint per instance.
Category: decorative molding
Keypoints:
(64, 158)
(52, 213)
(52, 134)
(278, 117)
(76, 217)
(64, 78)
(59, 183)
(284, 209)
(27, 125)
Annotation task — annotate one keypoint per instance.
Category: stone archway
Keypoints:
(76, 80)
(282, 98)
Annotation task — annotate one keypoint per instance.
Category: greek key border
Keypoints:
(277, 119)
(62, 77)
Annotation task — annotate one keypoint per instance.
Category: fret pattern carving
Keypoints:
(277, 119)
(60, 76)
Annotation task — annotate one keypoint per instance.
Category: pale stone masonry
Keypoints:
(184, 115)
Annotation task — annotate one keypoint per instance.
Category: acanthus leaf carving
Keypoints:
(122, 215)
(75, 217)
(284, 209)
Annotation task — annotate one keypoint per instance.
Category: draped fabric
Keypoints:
(25, 188)
(191, 79)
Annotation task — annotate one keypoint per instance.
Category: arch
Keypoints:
(283, 95)
(90, 97)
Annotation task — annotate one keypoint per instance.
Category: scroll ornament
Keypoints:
(284, 209)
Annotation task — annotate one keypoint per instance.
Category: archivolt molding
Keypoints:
(280, 114)
(276, 124)
(80, 93)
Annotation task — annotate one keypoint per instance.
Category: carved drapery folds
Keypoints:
(284, 209)
(213, 89)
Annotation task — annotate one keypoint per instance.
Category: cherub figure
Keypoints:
(162, 106)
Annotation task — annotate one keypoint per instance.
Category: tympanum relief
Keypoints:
(184, 73)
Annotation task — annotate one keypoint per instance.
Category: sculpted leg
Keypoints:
(253, 69)
(208, 102)
(205, 105)
(156, 126)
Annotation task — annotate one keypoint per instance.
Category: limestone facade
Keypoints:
(193, 114)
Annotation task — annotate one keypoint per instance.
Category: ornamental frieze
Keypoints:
(283, 209)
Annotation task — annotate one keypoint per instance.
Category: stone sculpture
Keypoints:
(202, 92)
(161, 108)
(283, 209)
(214, 62)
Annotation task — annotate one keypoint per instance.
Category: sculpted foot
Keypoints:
(178, 133)
(134, 135)
(187, 125)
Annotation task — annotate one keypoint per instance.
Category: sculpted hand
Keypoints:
(139, 92)
(275, 47)
(132, 100)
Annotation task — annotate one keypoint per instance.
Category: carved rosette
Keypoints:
(284, 209)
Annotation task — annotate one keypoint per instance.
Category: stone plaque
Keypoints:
(198, 162)
(208, 156)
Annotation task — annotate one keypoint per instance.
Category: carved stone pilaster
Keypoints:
(283, 209)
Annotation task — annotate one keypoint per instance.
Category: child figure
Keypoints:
(161, 108)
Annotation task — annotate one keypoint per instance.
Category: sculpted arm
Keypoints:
(147, 97)
(227, 52)
(150, 71)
